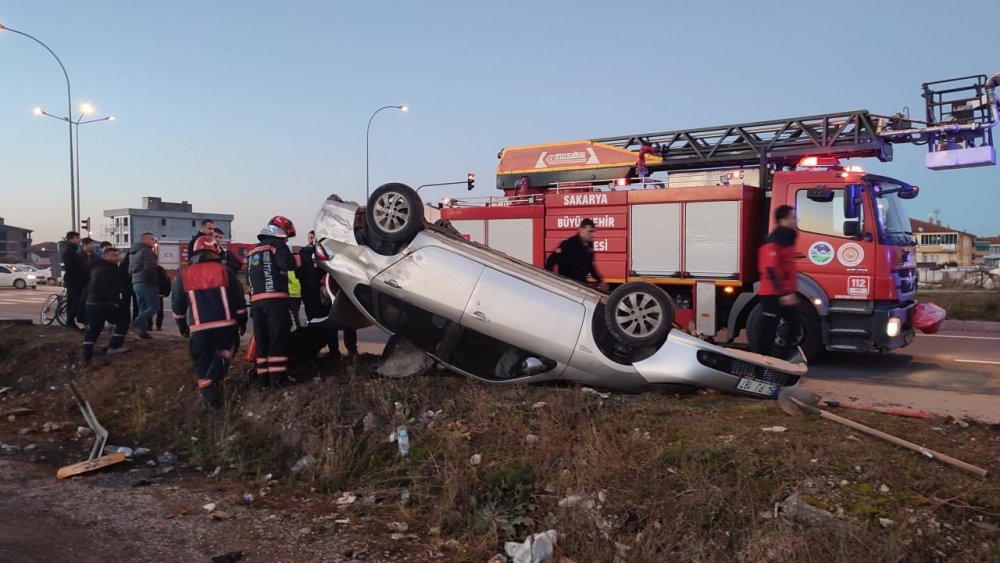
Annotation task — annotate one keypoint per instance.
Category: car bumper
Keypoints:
(686, 360)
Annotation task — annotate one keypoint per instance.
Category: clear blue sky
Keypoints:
(255, 108)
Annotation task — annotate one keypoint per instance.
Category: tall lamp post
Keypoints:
(69, 111)
(85, 110)
(403, 107)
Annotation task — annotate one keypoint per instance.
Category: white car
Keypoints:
(12, 276)
(41, 276)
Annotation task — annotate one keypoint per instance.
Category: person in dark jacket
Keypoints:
(778, 280)
(88, 258)
(209, 307)
(231, 261)
(309, 276)
(145, 281)
(102, 298)
(575, 256)
(267, 271)
(74, 278)
(207, 228)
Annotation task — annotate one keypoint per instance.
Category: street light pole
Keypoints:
(69, 112)
(85, 110)
(403, 107)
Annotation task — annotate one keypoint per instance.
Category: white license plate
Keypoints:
(757, 387)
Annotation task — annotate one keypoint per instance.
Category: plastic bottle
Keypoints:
(402, 434)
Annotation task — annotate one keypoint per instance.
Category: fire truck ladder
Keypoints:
(961, 113)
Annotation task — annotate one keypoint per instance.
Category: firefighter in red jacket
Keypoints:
(778, 280)
(267, 271)
(209, 307)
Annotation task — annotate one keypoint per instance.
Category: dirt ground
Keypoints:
(648, 477)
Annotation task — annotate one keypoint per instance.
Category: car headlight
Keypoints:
(892, 327)
(31, 276)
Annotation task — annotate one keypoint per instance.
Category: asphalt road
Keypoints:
(965, 362)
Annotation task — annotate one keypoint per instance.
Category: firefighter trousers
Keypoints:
(272, 332)
(212, 351)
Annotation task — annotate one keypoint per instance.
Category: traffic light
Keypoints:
(85, 225)
(470, 180)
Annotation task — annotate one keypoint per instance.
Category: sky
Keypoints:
(255, 108)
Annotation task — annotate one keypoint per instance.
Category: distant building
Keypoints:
(15, 242)
(992, 259)
(941, 244)
(166, 220)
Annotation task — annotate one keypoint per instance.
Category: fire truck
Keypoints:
(687, 210)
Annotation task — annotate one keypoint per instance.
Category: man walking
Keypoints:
(145, 281)
(207, 230)
(74, 278)
(269, 264)
(209, 307)
(102, 298)
(778, 278)
(87, 258)
(575, 256)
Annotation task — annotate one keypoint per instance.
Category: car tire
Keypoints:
(811, 341)
(19, 284)
(639, 314)
(394, 213)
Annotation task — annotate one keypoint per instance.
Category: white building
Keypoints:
(166, 220)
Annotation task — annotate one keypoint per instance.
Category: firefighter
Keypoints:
(269, 264)
(208, 305)
(778, 275)
(575, 256)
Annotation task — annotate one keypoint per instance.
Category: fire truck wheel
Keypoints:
(394, 213)
(811, 339)
(639, 314)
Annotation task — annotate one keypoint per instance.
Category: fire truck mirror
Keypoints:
(852, 228)
(852, 201)
(908, 192)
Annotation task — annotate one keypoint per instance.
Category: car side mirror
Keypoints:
(852, 201)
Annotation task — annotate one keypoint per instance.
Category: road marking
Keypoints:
(958, 336)
(992, 363)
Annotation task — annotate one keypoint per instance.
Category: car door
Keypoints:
(525, 315)
(432, 278)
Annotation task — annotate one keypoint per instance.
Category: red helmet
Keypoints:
(206, 243)
(283, 223)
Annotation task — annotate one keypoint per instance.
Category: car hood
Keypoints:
(335, 220)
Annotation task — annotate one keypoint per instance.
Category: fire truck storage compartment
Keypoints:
(712, 239)
(655, 239)
(472, 229)
(514, 237)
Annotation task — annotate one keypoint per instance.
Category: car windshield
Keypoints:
(894, 223)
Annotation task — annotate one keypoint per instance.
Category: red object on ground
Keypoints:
(927, 317)
(251, 354)
(883, 410)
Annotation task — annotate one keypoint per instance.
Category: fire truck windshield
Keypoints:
(893, 222)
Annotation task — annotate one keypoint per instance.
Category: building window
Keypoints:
(939, 239)
(125, 221)
(192, 223)
(163, 222)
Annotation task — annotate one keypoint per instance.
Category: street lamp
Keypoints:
(403, 107)
(85, 110)
(69, 111)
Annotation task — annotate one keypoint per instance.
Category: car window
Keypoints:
(420, 326)
(489, 358)
(821, 217)
(4, 270)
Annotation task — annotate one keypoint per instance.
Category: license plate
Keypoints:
(757, 387)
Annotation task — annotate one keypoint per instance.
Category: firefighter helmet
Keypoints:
(206, 243)
(283, 223)
(272, 231)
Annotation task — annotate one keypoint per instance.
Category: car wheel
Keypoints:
(810, 339)
(394, 213)
(19, 284)
(639, 314)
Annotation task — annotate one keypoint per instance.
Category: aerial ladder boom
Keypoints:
(957, 129)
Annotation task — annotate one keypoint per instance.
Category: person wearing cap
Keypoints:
(208, 305)
(267, 271)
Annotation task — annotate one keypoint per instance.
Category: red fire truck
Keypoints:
(687, 210)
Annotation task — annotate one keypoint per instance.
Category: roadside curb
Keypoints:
(971, 326)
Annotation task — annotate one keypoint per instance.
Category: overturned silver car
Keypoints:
(484, 314)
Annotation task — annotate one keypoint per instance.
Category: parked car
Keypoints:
(489, 316)
(42, 275)
(12, 276)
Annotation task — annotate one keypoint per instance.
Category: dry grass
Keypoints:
(658, 478)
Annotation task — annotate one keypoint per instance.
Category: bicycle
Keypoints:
(54, 309)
